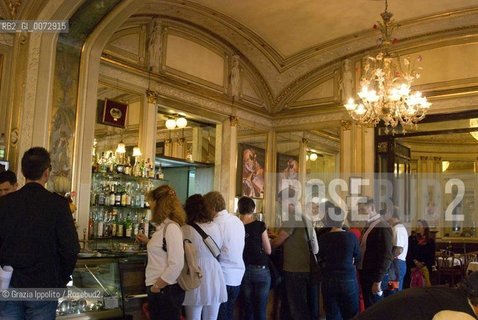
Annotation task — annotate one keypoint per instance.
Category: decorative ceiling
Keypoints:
(287, 42)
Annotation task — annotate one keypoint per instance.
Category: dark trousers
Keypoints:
(226, 310)
(341, 297)
(366, 282)
(166, 304)
(302, 296)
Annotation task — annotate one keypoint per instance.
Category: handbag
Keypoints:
(315, 272)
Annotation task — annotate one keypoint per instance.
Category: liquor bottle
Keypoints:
(160, 173)
(128, 227)
(110, 164)
(102, 163)
(135, 226)
(120, 227)
(127, 167)
(118, 195)
(100, 225)
(144, 171)
(112, 196)
(137, 167)
(2, 147)
(120, 166)
(101, 196)
(114, 223)
(128, 195)
(151, 171)
(124, 196)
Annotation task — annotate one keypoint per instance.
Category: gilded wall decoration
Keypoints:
(65, 90)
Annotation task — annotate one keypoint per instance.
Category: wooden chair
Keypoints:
(449, 268)
(467, 258)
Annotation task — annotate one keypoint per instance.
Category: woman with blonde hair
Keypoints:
(165, 254)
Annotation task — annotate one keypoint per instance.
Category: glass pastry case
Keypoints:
(94, 292)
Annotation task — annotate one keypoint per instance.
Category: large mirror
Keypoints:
(438, 163)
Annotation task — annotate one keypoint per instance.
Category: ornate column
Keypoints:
(228, 162)
(357, 149)
(270, 178)
(147, 127)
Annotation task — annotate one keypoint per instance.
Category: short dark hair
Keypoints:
(34, 162)
(246, 205)
(196, 210)
(8, 176)
(334, 216)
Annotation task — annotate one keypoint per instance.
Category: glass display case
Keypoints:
(94, 293)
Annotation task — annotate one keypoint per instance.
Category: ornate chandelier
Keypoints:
(385, 93)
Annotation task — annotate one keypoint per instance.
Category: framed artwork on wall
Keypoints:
(287, 169)
(112, 113)
(250, 171)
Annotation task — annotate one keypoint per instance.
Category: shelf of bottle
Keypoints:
(133, 239)
(123, 177)
(118, 207)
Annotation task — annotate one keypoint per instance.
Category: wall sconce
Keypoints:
(137, 152)
(312, 156)
(121, 148)
(179, 122)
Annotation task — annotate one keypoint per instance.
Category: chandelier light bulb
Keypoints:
(313, 156)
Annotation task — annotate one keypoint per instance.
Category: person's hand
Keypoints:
(158, 286)
(418, 264)
(141, 237)
(376, 287)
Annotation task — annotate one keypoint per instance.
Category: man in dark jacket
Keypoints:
(429, 303)
(376, 251)
(37, 238)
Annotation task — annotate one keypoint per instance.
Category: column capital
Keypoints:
(345, 124)
(305, 141)
(234, 121)
(152, 96)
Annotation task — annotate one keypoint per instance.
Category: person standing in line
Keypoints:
(338, 254)
(257, 278)
(37, 238)
(376, 251)
(204, 301)
(400, 250)
(165, 254)
(233, 234)
(8, 182)
(294, 235)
